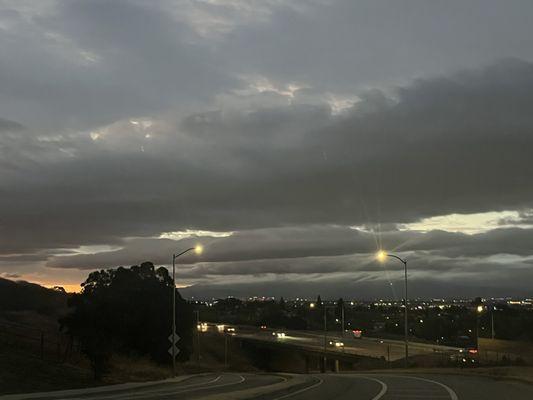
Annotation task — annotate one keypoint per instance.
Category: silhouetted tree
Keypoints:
(282, 303)
(318, 301)
(340, 306)
(128, 310)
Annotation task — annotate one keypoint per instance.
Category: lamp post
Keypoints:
(198, 328)
(479, 310)
(492, 332)
(342, 318)
(326, 333)
(382, 256)
(198, 250)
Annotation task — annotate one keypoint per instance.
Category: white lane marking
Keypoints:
(305, 389)
(453, 395)
(383, 386)
(171, 392)
(201, 383)
(242, 379)
(158, 392)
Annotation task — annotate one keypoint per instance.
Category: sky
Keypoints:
(292, 139)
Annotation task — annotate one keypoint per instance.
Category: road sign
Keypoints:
(173, 350)
(173, 338)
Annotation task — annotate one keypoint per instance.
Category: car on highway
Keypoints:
(229, 329)
(466, 357)
(357, 334)
(279, 335)
(336, 343)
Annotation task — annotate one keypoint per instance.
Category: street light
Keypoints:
(479, 310)
(198, 249)
(326, 332)
(382, 256)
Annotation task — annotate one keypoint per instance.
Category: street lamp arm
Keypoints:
(398, 258)
(183, 252)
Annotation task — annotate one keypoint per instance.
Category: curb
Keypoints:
(291, 380)
(91, 390)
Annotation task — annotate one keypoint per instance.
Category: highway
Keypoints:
(371, 347)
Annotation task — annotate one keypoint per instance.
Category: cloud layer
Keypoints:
(285, 123)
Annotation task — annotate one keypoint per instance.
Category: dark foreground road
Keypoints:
(191, 388)
(230, 386)
(406, 387)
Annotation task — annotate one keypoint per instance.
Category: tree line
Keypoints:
(128, 311)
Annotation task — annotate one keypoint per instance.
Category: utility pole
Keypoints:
(325, 337)
(225, 350)
(342, 318)
(174, 336)
(406, 320)
(493, 334)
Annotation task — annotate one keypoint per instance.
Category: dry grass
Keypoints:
(135, 369)
(23, 372)
(524, 374)
(492, 348)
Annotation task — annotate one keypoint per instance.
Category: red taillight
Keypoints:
(472, 351)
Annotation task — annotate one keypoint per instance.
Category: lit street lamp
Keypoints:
(198, 250)
(382, 256)
(479, 310)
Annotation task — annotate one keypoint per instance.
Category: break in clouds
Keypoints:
(129, 130)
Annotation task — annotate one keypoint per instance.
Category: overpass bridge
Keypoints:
(308, 347)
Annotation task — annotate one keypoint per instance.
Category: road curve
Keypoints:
(190, 388)
(346, 386)
(407, 387)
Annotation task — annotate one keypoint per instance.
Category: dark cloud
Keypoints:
(324, 250)
(84, 64)
(136, 119)
(368, 287)
(345, 45)
(456, 144)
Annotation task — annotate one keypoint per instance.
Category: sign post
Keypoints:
(173, 350)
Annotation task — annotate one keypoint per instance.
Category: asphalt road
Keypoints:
(192, 388)
(384, 386)
(407, 387)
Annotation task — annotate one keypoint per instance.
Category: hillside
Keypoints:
(25, 296)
